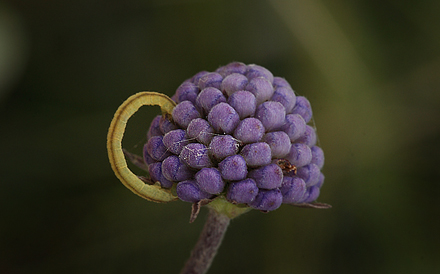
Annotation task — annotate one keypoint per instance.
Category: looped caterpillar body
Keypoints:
(114, 145)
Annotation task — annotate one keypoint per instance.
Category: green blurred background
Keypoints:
(371, 70)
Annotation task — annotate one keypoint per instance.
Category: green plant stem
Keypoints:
(206, 247)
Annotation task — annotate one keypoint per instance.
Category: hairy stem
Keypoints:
(206, 247)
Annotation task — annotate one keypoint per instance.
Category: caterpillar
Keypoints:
(116, 131)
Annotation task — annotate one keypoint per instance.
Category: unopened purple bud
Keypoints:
(187, 91)
(195, 155)
(155, 171)
(308, 137)
(210, 180)
(223, 118)
(271, 114)
(281, 82)
(175, 140)
(212, 79)
(235, 67)
(223, 146)
(317, 156)
(166, 125)
(154, 129)
(244, 102)
(201, 130)
(310, 174)
(286, 97)
(267, 177)
(261, 88)
(279, 143)
(256, 154)
(293, 189)
(208, 98)
(233, 168)
(320, 181)
(242, 192)
(267, 200)
(189, 191)
(303, 108)
(196, 78)
(184, 113)
(299, 155)
(294, 126)
(147, 157)
(174, 169)
(249, 130)
(259, 71)
(156, 148)
(234, 82)
(311, 194)
(175, 98)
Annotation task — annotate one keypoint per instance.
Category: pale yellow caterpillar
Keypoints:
(114, 146)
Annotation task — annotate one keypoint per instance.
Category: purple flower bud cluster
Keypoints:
(232, 133)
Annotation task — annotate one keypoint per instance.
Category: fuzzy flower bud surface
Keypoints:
(239, 133)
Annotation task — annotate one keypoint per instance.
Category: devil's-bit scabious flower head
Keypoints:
(231, 135)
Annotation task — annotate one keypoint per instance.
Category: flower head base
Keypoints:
(231, 136)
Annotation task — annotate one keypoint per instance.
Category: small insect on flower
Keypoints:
(286, 166)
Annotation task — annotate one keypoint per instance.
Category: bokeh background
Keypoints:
(371, 70)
